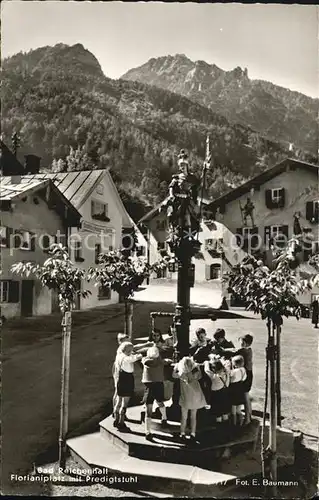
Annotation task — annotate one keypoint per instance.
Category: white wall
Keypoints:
(106, 233)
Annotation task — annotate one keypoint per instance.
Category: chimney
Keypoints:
(15, 179)
(32, 164)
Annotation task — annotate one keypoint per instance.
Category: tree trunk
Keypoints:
(128, 320)
(278, 374)
(65, 378)
(273, 413)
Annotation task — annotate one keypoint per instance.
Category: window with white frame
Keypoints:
(215, 271)
(4, 291)
(276, 194)
(99, 210)
(275, 231)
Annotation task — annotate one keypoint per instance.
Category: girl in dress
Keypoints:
(124, 374)
(220, 380)
(237, 388)
(191, 395)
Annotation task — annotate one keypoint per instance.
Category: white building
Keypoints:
(104, 221)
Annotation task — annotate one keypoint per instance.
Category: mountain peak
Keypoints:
(253, 103)
(75, 58)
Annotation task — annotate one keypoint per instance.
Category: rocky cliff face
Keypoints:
(277, 113)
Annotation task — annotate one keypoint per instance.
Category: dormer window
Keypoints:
(275, 198)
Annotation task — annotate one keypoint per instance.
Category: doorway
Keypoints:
(27, 297)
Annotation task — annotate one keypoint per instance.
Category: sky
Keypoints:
(278, 43)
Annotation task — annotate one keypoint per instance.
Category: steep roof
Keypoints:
(11, 190)
(75, 186)
(78, 185)
(260, 179)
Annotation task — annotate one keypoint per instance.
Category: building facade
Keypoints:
(104, 224)
(218, 252)
(273, 207)
(33, 213)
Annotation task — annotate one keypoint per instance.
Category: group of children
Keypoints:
(215, 376)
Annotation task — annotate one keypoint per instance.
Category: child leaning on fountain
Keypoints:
(219, 396)
(124, 374)
(191, 395)
(153, 379)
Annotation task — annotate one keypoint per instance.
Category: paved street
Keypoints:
(31, 375)
(203, 294)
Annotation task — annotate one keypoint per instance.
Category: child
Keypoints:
(201, 346)
(220, 380)
(191, 395)
(124, 373)
(237, 389)
(220, 342)
(153, 378)
(200, 350)
(155, 339)
(247, 354)
(121, 337)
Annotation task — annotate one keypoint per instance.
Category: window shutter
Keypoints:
(267, 234)
(32, 238)
(14, 291)
(285, 230)
(254, 237)
(207, 272)
(45, 242)
(316, 211)
(281, 203)
(309, 210)
(17, 238)
(239, 234)
(268, 199)
(9, 232)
